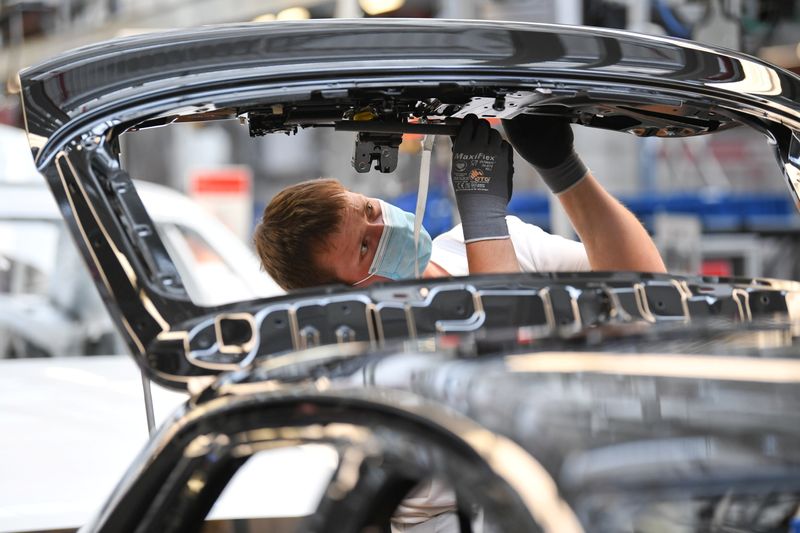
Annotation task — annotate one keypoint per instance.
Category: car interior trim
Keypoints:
(714, 367)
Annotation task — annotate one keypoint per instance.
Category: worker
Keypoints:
(318, 232)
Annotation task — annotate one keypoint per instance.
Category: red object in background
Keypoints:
(221, 181)
(10, 115)
(412, 137)
(227, 192)
(717, 267)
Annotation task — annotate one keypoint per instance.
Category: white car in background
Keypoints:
(48, 303)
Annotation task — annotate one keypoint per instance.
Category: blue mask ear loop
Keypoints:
(422, 194)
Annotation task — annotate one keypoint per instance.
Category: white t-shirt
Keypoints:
(537, 250)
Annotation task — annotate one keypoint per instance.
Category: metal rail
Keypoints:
(374, 126)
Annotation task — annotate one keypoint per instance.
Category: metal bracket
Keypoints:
(380, 147)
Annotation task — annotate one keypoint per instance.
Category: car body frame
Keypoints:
(462, 353)
(50, 306)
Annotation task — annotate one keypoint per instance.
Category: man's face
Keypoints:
(352, 247)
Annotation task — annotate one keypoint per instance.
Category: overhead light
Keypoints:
(266, 17)
(378, 7)
(294, 13)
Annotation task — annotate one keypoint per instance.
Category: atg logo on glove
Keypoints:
(476, 176)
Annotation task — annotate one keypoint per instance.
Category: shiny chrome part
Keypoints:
(565, 306)
(585, 419)
(241, 345)
(742, 299)
(642, 304)
(371, 432)
(540, 296)
(745, 369)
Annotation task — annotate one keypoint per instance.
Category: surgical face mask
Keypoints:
(395, 257)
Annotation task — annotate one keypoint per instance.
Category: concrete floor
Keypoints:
(70, 427)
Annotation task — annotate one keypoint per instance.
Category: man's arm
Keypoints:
(492, 257)
(614, 239)
(482, 173)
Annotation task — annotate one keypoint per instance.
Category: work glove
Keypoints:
(482, 172)
(546, 143)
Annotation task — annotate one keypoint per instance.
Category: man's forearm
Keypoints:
(613, 237)
(482, 173)
(491, 257)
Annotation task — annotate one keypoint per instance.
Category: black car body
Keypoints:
(560, 402)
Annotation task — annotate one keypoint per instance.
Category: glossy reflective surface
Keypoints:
(76, 105)
(620, 402)
(79, 82)
(637, 429)
(538, 306)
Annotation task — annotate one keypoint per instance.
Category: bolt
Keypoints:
(499, 103)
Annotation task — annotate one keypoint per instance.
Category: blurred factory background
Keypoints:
(716, 205)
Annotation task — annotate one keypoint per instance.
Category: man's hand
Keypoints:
(613, 238)
(482, 175)
(546, 143)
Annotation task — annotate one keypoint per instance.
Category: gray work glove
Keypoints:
(546, 143)
(482, 172)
